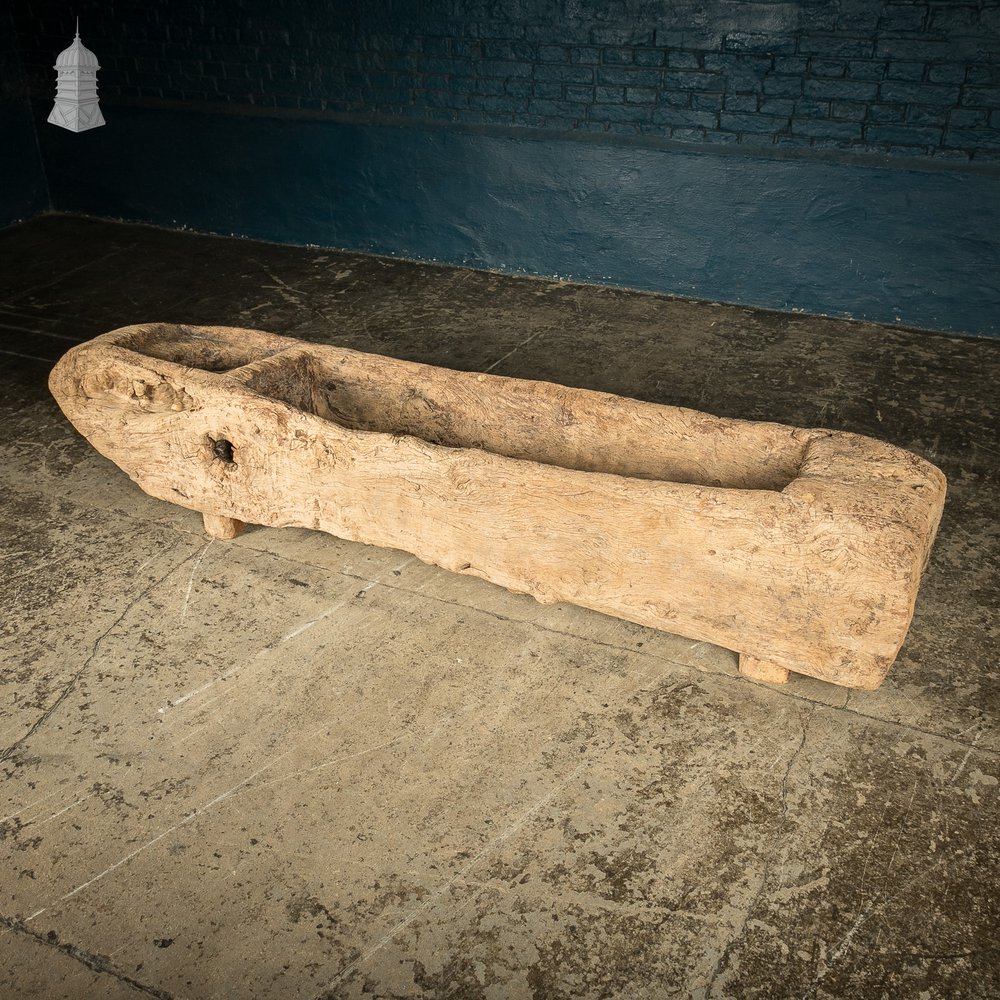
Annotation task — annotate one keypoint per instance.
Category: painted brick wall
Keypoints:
(899, 78)
(23, 190)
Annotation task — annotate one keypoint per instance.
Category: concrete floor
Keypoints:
(291, 766)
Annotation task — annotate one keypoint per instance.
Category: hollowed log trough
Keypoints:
(800, 549)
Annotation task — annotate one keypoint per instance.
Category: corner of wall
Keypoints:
(25, 190)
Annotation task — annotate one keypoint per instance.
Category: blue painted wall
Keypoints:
(841, 239)
(832, 156)
(23, 191)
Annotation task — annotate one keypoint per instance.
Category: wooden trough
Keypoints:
(800, 549)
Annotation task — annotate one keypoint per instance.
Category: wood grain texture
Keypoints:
(802, 549)
(762, 670)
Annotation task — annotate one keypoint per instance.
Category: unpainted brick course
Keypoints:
(896, 77)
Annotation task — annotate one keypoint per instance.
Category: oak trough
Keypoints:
(802, 550)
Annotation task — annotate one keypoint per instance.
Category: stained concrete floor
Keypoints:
(291, 766)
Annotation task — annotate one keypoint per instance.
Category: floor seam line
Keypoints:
(25, 292)
(74, 680)
(96, 963)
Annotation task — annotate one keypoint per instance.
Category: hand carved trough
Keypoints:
(800, 549)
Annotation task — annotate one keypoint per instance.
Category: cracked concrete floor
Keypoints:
(291, 766)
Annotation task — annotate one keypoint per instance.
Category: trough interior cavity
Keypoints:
(568, 428)
(193, 348)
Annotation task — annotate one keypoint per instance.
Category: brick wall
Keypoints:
(23, 191)
(897, 77)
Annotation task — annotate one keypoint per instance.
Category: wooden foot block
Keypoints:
(221, 527)
(803, 549)
(762, 670)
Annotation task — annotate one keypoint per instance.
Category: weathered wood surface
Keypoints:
(800, 549)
